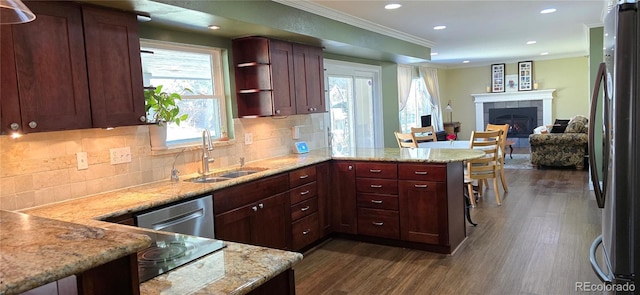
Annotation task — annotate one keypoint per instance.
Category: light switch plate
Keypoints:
(81, 158)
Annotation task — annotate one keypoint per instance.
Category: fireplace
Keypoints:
(521, 121)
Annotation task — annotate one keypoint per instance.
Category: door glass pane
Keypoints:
(341, 106)
(364, 112)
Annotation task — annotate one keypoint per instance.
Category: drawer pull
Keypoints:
(420, 185)
(306, 232)
(421, 172)
(304, 176)
(305, 208)
(376, 201)
(378, 223)
(376, 185)
(375, 170)
(304, 193)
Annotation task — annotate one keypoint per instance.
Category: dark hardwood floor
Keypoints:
(537, 242)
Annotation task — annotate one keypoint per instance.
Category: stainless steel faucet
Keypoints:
(174, 171)
(207, 147)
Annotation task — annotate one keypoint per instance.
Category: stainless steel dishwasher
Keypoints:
(193, 217)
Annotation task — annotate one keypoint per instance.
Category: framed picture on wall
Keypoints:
(525, 75)
(497, 77)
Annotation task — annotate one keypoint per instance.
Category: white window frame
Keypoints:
(217, 77)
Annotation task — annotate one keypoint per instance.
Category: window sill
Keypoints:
(174, 149)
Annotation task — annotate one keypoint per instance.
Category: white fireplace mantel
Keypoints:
(546, 95)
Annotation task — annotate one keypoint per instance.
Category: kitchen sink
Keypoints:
(207, 179)
(241, 172)
(226, 175)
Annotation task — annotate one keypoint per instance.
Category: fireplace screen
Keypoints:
(521, 121)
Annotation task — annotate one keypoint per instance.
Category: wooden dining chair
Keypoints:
(406, 140)
(484, 168)
(504, 128)
(424, 133)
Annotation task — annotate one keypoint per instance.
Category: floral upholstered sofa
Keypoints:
(561, 149)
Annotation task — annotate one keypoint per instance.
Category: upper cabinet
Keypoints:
(277, 78)
(74, 67)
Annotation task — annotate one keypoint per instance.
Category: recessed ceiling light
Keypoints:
(439, 27)
(466, 62)
(434, 53)
(548, 10)
(531, 42)
(544, 53)
(392, 6)
(213, 27)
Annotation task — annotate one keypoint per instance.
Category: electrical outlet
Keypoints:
(81, 158)
(120, 155)
(248, 138)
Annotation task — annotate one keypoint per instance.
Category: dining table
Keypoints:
(448, 144)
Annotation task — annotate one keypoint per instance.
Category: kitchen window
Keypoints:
(178, 67)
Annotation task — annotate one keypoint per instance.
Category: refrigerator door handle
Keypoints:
(592, 154)
(594, 263)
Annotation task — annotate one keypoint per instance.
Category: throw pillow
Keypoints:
(577, 124)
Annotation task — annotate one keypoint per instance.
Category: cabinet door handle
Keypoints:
(305, 208)
(377, 223)
(375, 170)
(14, 126)
(254, 208)
(304, 176)
(421, 172)
(304, 193)
(376, 201)
(350, 167)
(376, 185)
(261, 205)
(420, 185)
(33, 124)
(304, 233)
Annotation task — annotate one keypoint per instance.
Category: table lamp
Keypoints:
(450, 110)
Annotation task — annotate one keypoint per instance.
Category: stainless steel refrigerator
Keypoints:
(615, 255)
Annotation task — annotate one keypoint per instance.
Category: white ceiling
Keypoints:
(480, 31)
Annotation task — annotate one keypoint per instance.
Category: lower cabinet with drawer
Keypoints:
(377, 199)
(303, 196)
(254, 213)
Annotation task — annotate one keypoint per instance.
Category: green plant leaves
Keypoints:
(161, 106)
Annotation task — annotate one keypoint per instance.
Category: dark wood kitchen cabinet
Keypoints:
(432, 204)
(308, 66)
(254, 213)
(74, 67)
(303, 195)
(377, 199)
(344, 218)
(277, 78)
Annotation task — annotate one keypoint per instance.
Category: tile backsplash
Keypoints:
(41, 168)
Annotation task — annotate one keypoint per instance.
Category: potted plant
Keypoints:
(161, 109)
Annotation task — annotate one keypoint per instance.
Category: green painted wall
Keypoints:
(569, 76)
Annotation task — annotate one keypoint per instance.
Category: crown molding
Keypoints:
(323, 11)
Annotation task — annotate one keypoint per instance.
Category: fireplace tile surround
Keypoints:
(542, 99)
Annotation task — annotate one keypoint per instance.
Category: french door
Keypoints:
(355, 106)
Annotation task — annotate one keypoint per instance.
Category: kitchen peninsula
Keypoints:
(245, 267)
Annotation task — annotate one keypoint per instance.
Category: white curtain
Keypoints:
(405, 74)
(430, 78)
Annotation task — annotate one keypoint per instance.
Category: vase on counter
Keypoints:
(158, 137)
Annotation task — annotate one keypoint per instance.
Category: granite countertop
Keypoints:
(420, 155)
(245, 267)
(35, 251)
